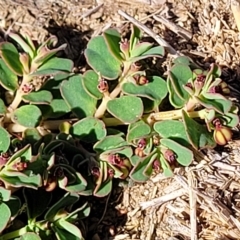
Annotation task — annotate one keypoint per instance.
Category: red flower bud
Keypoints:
(102, 86)
(170, 156)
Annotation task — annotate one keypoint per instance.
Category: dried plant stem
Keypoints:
(192, 203)
(175, 28)
(235, 6)
(157, 38)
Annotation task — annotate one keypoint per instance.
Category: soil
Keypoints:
(202, 201)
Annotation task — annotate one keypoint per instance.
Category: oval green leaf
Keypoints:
(89, 129)
(184, 155)
(40, 97)
(30, 236)
(156, 89)
(127, 109)
(5, 216)
(8, 79)
(27, 116)
(4, 140)
(10, 55)
(101, 60)
(81, 103)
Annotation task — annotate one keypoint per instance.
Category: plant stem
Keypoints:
(175, 114)
(14, 234)
(103, 106)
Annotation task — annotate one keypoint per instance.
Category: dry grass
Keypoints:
(202, 201)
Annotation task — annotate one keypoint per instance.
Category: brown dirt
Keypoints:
(202, 201)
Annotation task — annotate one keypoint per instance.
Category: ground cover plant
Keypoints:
(61, 134)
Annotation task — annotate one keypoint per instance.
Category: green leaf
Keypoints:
(184, 155)
(156, 89)
(14, 205)
(67, 200)
(135, 36)
(172, 129)
(104, 189)
(89, 129)
(3, 108)
(109, 142)
(27, 116)
(10, 55)
(113, 39)
(30, 236)
(179, 76)
(182, 60)
(140, 48)
(139, 131)
(231, 119)
(67, 231)
(216, 101)
(8, 79)
(5, 216)
(174, 99)
(142, 171)
(4, 194)
(101, 60)
(77, 98)
(18, 179)
(37, 202)
(198, 134)
(40, 97)
(90, 83)
(56, 109)
(128, 109)
(31, 135)
(54, 66)
(4, 140)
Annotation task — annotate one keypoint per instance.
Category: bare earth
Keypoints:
(202, 201)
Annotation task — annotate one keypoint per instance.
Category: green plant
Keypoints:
(61, 132)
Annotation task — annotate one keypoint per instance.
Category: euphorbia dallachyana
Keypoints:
(61, 133)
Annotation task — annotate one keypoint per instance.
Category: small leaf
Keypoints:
(54, 66)
(37, 202)
(67, 200)
(5, 216)
(109, 142)
(89, 129)
(3, 108)
(40, 97)
(172, 129)
(113, 39)
(90, 83)
(184, 155)
(8, 79)
(67, 231)
(4, 140)
(135, 36)
(29, 236)
(140, 48)
(104, 189)
(101, 60)
(156, 89)
(4, 194)
(216, 101)
(27, 116)
(14, 205)
(179, 76)
(198, 134)
(182, 60)
(10, 55)
(174, 99)
(137, 132)
(128, 109)
(231, 119)
(31, 135)
(77, 98)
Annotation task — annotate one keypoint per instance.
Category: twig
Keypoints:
(235, 6)
(173, 27)
(157, 38)
(90, 12)
(192, 203)
(160, 200)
